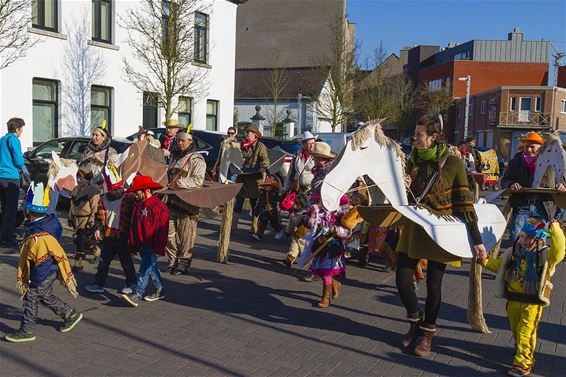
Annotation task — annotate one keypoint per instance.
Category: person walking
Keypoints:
(227, 143)
(187, 169)
(444, 193)
(98, 153)
(11, 164)
(300, 177)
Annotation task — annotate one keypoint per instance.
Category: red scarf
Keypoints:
(304, 155)
(529, 161)
(167, 141)
(247, 144)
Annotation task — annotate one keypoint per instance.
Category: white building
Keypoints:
(35, 87)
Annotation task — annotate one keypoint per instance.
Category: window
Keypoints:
(563, 106)
(150, 108)
(513, 104)
(201, 37)
(434, 85)
(44, 150)
(44, 14)
(45, 110)
(102, 20)
(184, 110)
(492, 101)
(101, 107)
(538, 104)
(212, 115)
(482, 107)
(77, 149)
(168, 27)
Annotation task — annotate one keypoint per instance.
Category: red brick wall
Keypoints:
(562, 77)
(487, 75)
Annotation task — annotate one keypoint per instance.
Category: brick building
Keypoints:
(500, 116)
(489, 63)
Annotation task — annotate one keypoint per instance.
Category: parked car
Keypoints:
(336, 140)
(207, 143)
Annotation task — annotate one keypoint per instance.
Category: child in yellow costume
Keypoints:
(523, 278)
(42, 261)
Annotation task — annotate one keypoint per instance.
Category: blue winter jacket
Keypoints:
(11, 158)
(51, 224)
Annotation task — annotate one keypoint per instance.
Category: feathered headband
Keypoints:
(37, 198)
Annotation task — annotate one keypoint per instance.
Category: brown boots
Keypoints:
(424, 341)
(411, 335)
(326, 289)
(329, 290)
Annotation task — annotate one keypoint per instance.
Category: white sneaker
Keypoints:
(127, 290)
(279, 235)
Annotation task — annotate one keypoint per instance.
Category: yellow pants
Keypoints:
(523, 319)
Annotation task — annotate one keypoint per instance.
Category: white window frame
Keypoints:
(482, 107)
(563, 106)
(538, 104)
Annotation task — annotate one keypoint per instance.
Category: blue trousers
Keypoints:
(148, 269)
(9, 194)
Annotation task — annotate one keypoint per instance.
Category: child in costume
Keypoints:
(523, 278)
(297, 228)
(42, 261)
(84, 204)
(148, 235)
(267, 209)
(112, 227)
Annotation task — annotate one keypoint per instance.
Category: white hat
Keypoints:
(307, 135)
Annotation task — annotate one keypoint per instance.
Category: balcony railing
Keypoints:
(524, 118)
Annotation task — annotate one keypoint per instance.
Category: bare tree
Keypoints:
(84, 65)
(162, 37)
(275, 81)
(15, 41)
(435, 101)
(334, 101)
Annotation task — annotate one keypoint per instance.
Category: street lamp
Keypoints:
(468, 80)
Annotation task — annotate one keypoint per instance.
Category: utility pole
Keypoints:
(468, 80)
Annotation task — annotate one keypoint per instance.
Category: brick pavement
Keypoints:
(254, 317)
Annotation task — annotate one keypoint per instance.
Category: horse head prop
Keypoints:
(368, 152)
(551, 162)
(144, 159)
(62, 174)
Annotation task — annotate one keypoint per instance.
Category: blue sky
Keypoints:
(400, 23)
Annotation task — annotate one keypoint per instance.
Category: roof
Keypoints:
(251, 83)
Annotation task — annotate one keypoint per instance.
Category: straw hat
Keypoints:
(253, 128)
(172, 123)
(533, 137)
(321, 150)
(268, 181)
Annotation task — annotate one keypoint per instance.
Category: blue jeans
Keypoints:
(148, 269)
(535, 210)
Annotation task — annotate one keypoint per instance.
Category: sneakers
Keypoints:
(517, 371)
(72, 321)
(19, 337)
(156, 295)
(131, 299)
(256, 237)
(279, 235)
(94, 288)
(127, 290)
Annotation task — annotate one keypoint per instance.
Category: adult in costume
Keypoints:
(227, 143)
(520, 174)
(445, 193)
(256, 162)
(300, 177)
(98, 153)
(11, 163)
(169, 140)
(186, 169)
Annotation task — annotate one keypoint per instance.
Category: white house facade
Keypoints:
(36, 87)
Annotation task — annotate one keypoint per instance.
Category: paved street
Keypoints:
(254, 317)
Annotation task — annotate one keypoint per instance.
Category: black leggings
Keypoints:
(404, 280)
(239, 205)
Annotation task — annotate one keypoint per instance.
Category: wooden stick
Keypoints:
(225, 228)
(475, 300)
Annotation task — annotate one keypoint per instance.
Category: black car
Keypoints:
(72, 147)
(207, 143)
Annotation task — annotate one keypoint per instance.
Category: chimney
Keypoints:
(515, 35)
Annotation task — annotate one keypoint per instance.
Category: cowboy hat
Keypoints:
(307, 135)
(142, 182)
(321, 150)
(253, 128)
(268, 181)
(533, 137)
(172, 123)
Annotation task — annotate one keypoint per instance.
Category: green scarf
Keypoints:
(420, 155)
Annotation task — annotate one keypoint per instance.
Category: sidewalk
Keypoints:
(254, 317)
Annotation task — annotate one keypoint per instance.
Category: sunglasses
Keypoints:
(231, 133)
